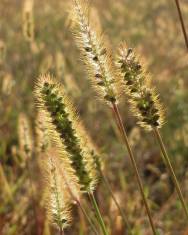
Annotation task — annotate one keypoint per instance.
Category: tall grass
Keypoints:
(54, 179)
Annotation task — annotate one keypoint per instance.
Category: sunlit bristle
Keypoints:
(51, 98)
(95, 52)
(25, 135)
(137, 84)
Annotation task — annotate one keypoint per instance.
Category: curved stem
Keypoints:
(182, 23)
(123, 215)
(133, 162)
(98, 214)
(171, 170)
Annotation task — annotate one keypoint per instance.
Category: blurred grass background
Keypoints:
(153, 28)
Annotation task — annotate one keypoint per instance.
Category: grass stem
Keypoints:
(123, 215)
(87, 217)
(171, 170)
(182, 23)
(98, 214)
(134, 165)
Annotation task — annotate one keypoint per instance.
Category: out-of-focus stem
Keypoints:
(182, 23)
(32, 195)
(123, 215)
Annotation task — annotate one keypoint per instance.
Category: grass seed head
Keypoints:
(95, 52)
(137, 83)
(52, 99)
(42, 139)
(28, 22)
(25, 135)
(56, 200)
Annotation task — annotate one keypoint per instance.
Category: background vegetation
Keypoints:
(153, 28)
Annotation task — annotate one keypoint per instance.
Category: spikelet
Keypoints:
(25, 135)
(60, 112)
(143, 98)
(57, 202)
(28, 22)
(95, 53)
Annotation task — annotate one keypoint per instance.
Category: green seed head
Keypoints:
(145, 102)
(52, 99)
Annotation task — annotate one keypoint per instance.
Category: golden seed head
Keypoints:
(42, 136)
(137, 83)
(60, 112)
(95, 53)
(56, 198)
(28, 22)
(25, 135)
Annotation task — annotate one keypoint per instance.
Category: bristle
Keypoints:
(60, 112)
(25, 136)
(95, 53)
(137, 83)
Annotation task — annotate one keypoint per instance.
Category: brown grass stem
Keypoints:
(171, 170)
(182, 23)
(98, 214)
(123, 215)
(133, 162)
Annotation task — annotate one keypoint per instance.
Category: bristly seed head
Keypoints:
(28, 22)
(52, 99)
(42, 140)
(95, 53)
(25, 135)
(145, 102)
(57, 201)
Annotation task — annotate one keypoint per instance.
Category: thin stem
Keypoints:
(87, 217)
(123, 215)
(77, 201)
(171, 170)
(134, 165)
(182, 23)
(32, 195)
(98, 214)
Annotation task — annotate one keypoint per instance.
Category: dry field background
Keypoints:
(153, 29)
